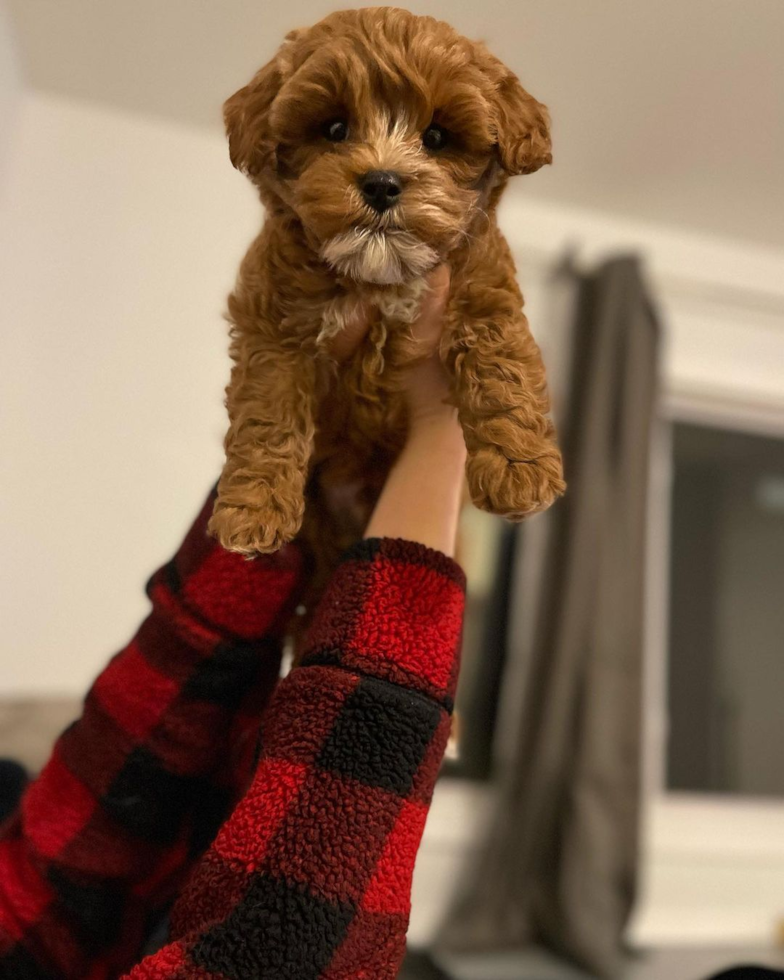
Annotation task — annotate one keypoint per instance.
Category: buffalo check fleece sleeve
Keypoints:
(310, 878)
(136, 789)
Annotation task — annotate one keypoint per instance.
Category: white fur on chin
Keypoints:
(382, 257)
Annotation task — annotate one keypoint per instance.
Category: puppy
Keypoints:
(380, 143)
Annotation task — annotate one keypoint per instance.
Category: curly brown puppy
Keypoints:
(380, 143)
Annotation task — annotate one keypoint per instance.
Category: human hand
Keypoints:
(425, 381)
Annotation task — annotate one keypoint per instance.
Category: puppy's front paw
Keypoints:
(251, 530)
(514, 488)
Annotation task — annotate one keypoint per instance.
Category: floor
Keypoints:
(664, 964)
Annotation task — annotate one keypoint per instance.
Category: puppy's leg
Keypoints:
(514, 465)
(268, 445)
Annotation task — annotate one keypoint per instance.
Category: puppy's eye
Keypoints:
(435, 137)
(336, 131)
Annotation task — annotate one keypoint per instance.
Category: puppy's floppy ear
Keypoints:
(522, 127)
(245, 114)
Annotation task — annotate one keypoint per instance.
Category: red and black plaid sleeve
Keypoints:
(310, 878)
(136, 789)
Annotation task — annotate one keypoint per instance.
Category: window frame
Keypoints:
(712, 863)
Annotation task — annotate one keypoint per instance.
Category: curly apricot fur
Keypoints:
(299, 424)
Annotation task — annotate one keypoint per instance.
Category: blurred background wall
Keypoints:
(120, 237)
(121, 226)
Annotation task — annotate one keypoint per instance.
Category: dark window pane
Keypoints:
(726, 664)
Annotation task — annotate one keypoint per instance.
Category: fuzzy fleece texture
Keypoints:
(310, 876)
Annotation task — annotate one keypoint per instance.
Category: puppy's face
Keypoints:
(386, 134)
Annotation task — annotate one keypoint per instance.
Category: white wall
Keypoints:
(119, 239)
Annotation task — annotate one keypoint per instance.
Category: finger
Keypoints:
(437, 291)
(429, 323)
(351, 334)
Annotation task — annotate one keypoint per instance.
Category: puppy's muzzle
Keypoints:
(380, 189)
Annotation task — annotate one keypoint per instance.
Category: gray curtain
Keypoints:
(559, 866)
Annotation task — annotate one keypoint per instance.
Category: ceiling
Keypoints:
(666, 110)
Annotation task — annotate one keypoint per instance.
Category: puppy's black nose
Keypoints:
(380, 188)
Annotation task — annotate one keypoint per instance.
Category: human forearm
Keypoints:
(311, 876)
(421, 498)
